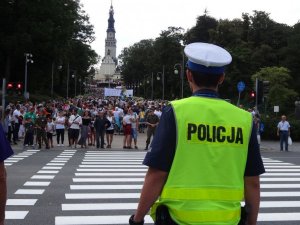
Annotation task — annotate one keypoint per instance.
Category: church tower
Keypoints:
(109, 61)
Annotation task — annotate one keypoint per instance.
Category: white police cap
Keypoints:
(207, 58)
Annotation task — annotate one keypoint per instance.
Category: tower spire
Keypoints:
(111, 20)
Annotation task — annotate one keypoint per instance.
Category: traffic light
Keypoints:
(10, 86)
(260, 92)
(19, 88)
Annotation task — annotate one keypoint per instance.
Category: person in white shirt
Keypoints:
(75, 122)
(283, 131)
(60, 128)
(16, 127)
(134, 126)
(127, 130)
(50, 129)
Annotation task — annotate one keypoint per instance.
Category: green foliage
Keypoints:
(270, 130)
(54, 32)
(280, 93)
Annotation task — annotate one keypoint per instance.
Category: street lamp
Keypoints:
(74, 77)
(52, 77)
(28, 59)
(181, 75)
(162, 74)
(148, 83)
(79, 80)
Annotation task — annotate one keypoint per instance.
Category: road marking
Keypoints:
(55, 164)
(84, 220)
(112, 163)
(21, 201)
(279, 179)
(272, 163)
(280, 185)
(282, 166)
(103, 196)
(31, 183)
(51, 167)
(280, 174)
(282, 170)
(48, 171)
(280, 194)
(15, 215)
(278, 216)
(98, 206)
(110, 174)
(112, 170)
(42, 177)
(108, 180)
(106, 187)
(115, 166)
(111, 160)
(30, 191)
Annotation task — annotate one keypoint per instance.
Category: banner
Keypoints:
(117, 92)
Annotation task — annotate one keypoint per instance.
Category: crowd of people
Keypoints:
(85, 121)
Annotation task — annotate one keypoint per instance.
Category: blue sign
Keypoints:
(241, 86)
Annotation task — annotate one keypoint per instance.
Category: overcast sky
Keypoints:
(144, 19)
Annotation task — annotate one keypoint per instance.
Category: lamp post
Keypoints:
(74, 77)
(162, 74)
(28, 59)
(79, 80)
(52, 77)
(181, 75)
(148, 83)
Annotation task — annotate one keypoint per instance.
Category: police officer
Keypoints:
(205, 158)
(5, 152)
(41, 123)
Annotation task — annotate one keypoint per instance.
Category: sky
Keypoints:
(136, 20)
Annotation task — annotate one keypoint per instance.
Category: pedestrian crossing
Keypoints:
(16, 158)
(105, 189)
(35, 187)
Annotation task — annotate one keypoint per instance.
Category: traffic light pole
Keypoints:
(256, 95)
(3, 98)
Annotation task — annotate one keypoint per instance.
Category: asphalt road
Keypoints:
(89, 186)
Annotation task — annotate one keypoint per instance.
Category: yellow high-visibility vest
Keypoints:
(206, 182)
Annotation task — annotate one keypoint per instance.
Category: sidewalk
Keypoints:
(117, 144)
(275, 146)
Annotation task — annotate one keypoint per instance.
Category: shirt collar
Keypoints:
(206, 93)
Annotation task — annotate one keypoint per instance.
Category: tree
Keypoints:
(280, 92)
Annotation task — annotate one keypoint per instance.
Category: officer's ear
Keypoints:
(189, 76)
(221, 80)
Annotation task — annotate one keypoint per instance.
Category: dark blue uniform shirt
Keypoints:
(163, 145)
(5, 149)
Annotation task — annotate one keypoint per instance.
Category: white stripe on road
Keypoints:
(30, 191)
(280, 185)
(98, 206)
(282, 167)
(7, 164)
(112, 163)
(90, 220)
(108, 180)
(106, 187)
(278, 216)
(279, 204)
(115, 166)
(112, 170)
(21, 201)
(31, 183)
(103, 196)
(282, 170)
(280, 174)
(277, 164)
(15, 215)
(111, 160)
(51, 167)
(110, 174)
(43, 177)
(280, 194)
(55, 164)
(279, 179)
(48, 171)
